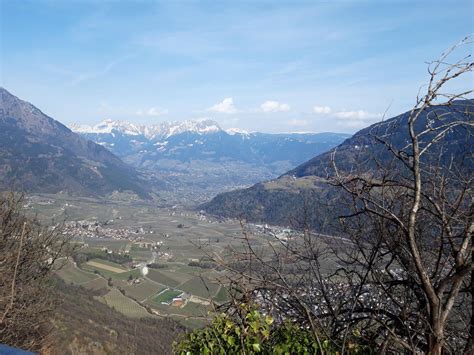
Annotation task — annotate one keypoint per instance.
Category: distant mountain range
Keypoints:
(154, 132)
(287, 199)
(39, 154)
(201, 155)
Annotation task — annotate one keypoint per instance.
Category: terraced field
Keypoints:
(143, 290)
(161, 278)
(125, 275)
(124, 304)
(70, 273)
(176, 274)
(200, 287)
(222, 296)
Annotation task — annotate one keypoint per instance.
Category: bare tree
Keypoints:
(401, 276)
(28, 255)
(412, 220)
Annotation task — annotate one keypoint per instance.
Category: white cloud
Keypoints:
(226, 106)
(359, 115)
(322, 109)
(152, 111)
(274, 106)
(298, 123)
(356, 119)
(352, 124)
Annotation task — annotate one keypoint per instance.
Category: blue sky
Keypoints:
(272, 66)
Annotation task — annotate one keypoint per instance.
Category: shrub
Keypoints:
(256, 333)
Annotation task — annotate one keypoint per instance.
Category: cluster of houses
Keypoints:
(281, 233)
(89, 229)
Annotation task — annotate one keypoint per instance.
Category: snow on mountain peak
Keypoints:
(233, 131)
(107, 126)
(161, 130)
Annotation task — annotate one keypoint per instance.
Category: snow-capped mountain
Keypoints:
(233, 131)
(109, 126)
(205, 153)
(152, 132)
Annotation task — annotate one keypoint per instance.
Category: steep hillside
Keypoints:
(83, 325)
(365, 146)
(39, 154)
(301, 194)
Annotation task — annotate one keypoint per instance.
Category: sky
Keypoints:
(269, 66)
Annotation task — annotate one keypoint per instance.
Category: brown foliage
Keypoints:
(28, 255)
(83, 325)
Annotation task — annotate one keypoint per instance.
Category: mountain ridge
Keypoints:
(153, 131)
(200, 155)
(289, 197)
(166, 129)
(40, 154)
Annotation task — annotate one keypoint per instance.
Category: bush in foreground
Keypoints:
(254, 333)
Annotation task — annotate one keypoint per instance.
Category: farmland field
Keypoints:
(196, 309)
(124, 304)
(125, 275)
(143, 290)
(161, 278)
(180, 277)
(104, 267)
(101, 265)
(222, 296)
(140, 254)
(177, 242)
(200, 287)
(166, 296)
(70, 273)
(191, 309)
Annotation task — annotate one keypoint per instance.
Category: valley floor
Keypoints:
(143, 261)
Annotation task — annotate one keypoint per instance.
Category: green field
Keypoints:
(166, 296)
(124, 304)
(222, 296)
(191, 309)
(109, 263)
(200, 287)
(143, 290)
(125, 275)
(114, 245)
(196, 309)
(176, 274)
(161, 278)
(70, 273)
(104, 267)
(140, 254)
